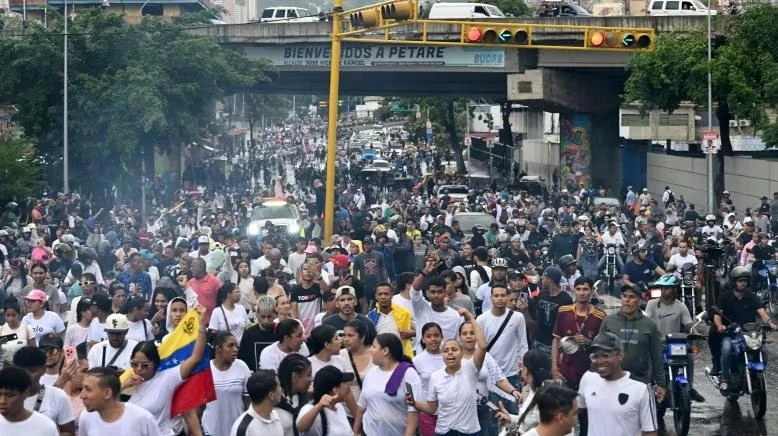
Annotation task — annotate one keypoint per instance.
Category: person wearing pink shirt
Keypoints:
(202, 287)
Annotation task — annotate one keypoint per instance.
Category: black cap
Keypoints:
(630, 288)
(50, 341)
(606, 341)
(329, 377)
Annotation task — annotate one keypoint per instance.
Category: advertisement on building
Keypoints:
(318, 56)
(575, 150)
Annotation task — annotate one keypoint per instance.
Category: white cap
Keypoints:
(116, 323)
(203, 240)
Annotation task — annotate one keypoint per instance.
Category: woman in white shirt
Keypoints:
(289, 333)
(452, 390)
(76, 332)
(324, 345)
(230, 316)
(242, 277)
(325, 414)
(40, 320)
(358, 335)
(229, 380)
(428, 361)
(294, 374)
(382, 408)
(12, 325)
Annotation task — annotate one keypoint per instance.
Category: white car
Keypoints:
(286, 14)
(382, 166)
(277, 211)
(456, 192)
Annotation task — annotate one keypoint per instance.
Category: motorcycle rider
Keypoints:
(762, 251)
(682, 257)
(639, 269)
(672, 316)
(738, 305)
(711, 229)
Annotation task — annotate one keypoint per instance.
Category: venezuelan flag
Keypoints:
(198, 389)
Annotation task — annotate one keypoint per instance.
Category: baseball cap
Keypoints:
(329, 378)
(203, 240)
(630, 288)
(345, 290)
(553, 273)
(116, 323)
(50, 341)
(606, 341)
(36, 295)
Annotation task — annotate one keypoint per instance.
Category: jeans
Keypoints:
(487, 421)
(728, 354)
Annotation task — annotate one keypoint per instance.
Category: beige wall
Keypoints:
(746, 179)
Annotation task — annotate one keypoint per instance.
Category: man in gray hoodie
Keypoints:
(640, 339)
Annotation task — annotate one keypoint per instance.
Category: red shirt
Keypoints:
(573, 366)
(206, 289)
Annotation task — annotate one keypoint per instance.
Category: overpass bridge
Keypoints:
(300, 54)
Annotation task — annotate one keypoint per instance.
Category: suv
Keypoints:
(283, 215)
(677, 7)
(560, 9)
(286, 14)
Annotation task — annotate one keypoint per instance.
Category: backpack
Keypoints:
(671, 197)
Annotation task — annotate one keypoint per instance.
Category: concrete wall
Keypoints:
(746, 179)
(540, 158)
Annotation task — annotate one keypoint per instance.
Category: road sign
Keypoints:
(710, 141)
(628, 40)
(505, 35)
(468, 141)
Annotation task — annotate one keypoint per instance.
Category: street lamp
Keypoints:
(332, 119)
(65, 160)
(709, 156)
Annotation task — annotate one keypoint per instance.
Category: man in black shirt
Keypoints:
(562, 243)
(346, 299)
(260, 335)
(741, 306)
(543, 309)
(762, 251)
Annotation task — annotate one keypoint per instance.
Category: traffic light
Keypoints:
(602, 38)
(365, 17)
(372, 16)
(498, 35)
(401, 10)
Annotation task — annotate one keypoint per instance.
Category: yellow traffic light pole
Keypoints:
(332, 121)
(378, 22)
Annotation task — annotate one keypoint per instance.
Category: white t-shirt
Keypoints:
(678, 261)
(48, 379)
(96, 331)
(156, 396)
(50, 322)
(75, 334)
(317, 364)
(23, 333)
(426, 363)
(337, 422)
(456, 397)
(510, 347)
(386, 415)
(230, 387)
(402, 301)
(134, 422)
(55, 405)
(136, 332)
(257, 425)
(488, 377)
(95, 356)
(608, 415)
(476, 281)
(237, 318)
(449, 320)
(37, 424)
(271, 356)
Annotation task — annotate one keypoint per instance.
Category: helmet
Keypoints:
(503, 237)
(499, 262)
(566, 260)
(710, 217)
(667, 280)
(739, 272)
(636, 248)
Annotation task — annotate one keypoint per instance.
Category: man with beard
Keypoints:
(116, 351)
(543, 309)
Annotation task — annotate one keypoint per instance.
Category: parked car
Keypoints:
(286, 14)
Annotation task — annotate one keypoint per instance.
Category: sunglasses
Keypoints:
(600, 355)
(139, 365)
(87, 282)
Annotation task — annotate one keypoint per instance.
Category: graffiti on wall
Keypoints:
(575, 151)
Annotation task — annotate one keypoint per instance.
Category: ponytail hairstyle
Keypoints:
(293, 363)
(391, 342)
(320, 336)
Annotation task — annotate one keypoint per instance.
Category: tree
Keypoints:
(20, 173)
(272, 108)
(744, 74)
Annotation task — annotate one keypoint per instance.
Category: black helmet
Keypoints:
(739, 272)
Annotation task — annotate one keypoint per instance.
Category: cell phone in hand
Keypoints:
(409, 389)
(524, 296)
(8, 338)
(70, 354)
(493, 407)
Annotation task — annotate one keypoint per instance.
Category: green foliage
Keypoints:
(19, 171)
(132, 88)
(744, 71)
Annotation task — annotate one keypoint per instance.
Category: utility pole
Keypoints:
(709, 156)
(65, 159)
(332, 120)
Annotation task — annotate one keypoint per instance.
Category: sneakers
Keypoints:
(695, 396)
(724, 385)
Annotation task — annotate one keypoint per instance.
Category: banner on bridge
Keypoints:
(318, 56)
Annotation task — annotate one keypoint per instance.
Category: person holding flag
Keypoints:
(175, 377)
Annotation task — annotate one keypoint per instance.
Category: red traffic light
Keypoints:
(596, 39)
(473, 34)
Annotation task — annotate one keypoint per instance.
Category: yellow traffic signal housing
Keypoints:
(612, 38)
(498, 35)
(401, 10)
(365, 17)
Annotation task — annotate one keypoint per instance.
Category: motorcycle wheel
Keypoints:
(682, 409)
(758, 395)
(772, 298)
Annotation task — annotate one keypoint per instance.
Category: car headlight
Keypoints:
(753, 343)
(293, 228)
(611, 250)
(678, 350)
(253, 228)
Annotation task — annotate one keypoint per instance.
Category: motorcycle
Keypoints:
(676, 353)
(610, 269)
(748, 370)
(767, 288)
(688, 273)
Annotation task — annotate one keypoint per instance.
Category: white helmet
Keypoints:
(710, 217)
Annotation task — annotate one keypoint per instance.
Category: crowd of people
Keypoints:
(402, 323)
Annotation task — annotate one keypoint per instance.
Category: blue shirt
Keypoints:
(140, 279)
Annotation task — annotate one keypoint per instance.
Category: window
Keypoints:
(674, 119)
(268, 13)
(481, 10)
(687, 6)
(672, 5)
(291, 13)
(634, 120)
(657, 6)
